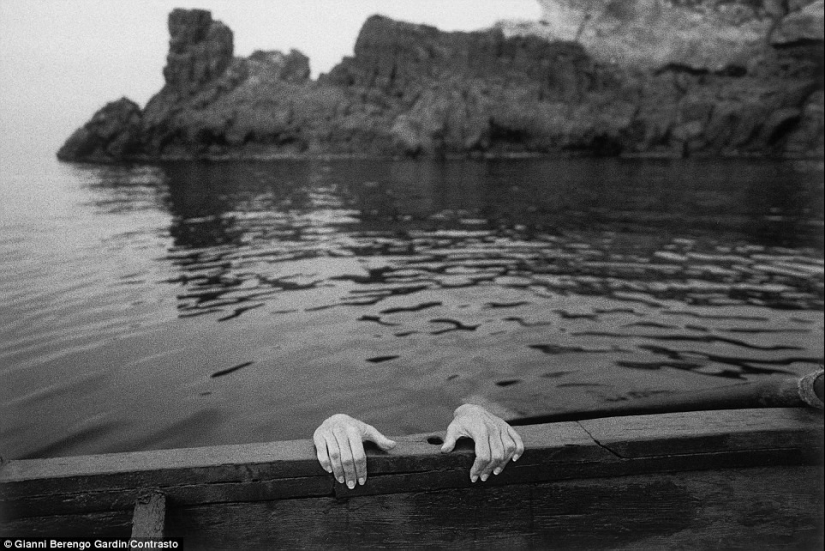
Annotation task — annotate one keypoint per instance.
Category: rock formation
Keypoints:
(661, 77)
(114, 133)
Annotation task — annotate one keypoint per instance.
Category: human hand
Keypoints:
(496, 442)
(338, 445)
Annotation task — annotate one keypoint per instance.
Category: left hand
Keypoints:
(338, 445)
(496, 442)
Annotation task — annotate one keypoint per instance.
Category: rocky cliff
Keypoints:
(619, 77)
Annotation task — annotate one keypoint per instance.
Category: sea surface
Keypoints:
(189, 304)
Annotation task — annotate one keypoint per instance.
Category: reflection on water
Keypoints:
(243, 302)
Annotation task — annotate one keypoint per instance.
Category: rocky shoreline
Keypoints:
(756, 89)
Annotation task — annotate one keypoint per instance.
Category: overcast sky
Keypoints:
(61, 60)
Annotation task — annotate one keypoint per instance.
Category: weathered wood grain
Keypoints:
(287, 459)
(80, 502)
(262, 480)
(109, 524)
(149, 516)
(760, 508)
(289, 472)
(707, 431)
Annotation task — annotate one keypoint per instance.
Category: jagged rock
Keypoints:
(398, 57)
(706, 34)
(807, 137)
(413, 90)
(114, 132)
(407, 134)
(806, 23)
(449, 88)
(200, 49)
(292, 67)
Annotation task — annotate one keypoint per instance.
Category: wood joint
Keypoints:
(149, 516)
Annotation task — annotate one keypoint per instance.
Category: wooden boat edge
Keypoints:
(36, 494)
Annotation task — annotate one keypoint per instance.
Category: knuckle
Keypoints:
(335, 456)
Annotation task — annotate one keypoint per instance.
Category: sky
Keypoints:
(61, 60)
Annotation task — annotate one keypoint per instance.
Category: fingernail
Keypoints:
(361, 481)
(473, 478)
(350, 484)
(484, 477)
(341, 479)
(328, 469)
(515, 458)
(497, 471)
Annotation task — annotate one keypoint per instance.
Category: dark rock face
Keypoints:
(458, 92)
(113, 133)
(292, 67)
(199, 50)
(413, 90)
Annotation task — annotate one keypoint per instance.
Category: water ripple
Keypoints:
(395, 288)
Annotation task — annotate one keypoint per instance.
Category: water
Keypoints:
(192, 304)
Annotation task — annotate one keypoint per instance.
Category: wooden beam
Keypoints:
(107, 524)
(758, 508)
(707, 431)
(285, 470)
(149, 516)
(278, 463)
(113, 499)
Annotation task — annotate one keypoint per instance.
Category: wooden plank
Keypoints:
(539, 468)
(601, 448)
(556, 471)
(254, 463)
(551, 445)
(286, 459)
(83, 502)
(149, 516)
(761, 508)
(108, 524)
(708, 431)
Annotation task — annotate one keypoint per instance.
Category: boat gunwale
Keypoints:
(289, 469)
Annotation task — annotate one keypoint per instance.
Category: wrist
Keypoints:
(464, 408)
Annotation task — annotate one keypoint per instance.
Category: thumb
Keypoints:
(450, 439)
(380, 440)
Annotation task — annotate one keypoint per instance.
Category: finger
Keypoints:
(321, 452)
(519, 443)
(482, 449)
(509, 446)
(335, 457)
(346, 457)
(496, 455)
(359, 458)
(372, 434)
(450, 439)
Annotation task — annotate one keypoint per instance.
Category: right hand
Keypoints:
(339, 446)
(496, 442)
